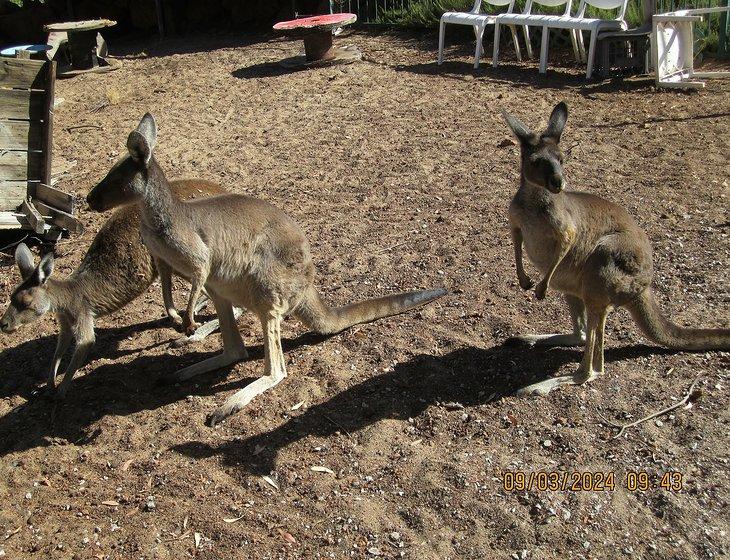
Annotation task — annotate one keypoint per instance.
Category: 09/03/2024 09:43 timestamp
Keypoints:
(590, 481)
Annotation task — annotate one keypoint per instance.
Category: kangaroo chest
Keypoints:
(181, 254)
(540, 227)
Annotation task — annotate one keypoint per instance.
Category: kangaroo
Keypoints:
(589, 249)
(116, 269)
(245, 252)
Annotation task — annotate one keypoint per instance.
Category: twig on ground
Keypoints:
(76, 126)
(386, 249)
(691, 396)
(336, 423)
(100, 106)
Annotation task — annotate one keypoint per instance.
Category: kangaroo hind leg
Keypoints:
(233, 348)
(274, 370)
(591, 365)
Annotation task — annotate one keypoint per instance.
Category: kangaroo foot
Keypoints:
(202, 332)
(544, 387)
(547, 340)
(221, 413)
(541, 290)
(189, 326)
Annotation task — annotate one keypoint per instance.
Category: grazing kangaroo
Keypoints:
(116, 269)
(245, 252)
(589, 249)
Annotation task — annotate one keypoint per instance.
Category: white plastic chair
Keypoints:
(527, 18)
(577, 24)
(479, 21)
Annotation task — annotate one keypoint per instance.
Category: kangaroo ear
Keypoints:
(141, 142)
(557, 121)
(44, 270)
(519, 129)
(24, 260)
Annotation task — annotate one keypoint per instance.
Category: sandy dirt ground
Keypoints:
(401, 173)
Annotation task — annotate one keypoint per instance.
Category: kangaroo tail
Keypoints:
(658, 328)
(321, 318)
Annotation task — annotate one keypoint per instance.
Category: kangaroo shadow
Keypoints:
(29, 362)
(508, 73)
(469, 376)
(119, 390)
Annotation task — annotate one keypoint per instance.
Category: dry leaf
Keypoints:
(321, 469)
(197, 538)
(185, 523)
(259, 449)
(287, 536)
(298, 405)
(113, 95)
(232, 519)
(271, 481)
(127, 464)
(110, 503)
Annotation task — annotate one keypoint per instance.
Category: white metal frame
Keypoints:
(672, 55)
(479, 21)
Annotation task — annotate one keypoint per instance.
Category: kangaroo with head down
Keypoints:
(116, 269)
(245, 252)
(589, 249)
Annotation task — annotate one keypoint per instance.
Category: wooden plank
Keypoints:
(59, 218)
(26, 74)
(53, 197)
(22, 104)
(34, 217)
(12, 194)
(12, 220)
(48, 119)
(21, 135)
(16, 165)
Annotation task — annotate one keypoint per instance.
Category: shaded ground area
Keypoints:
(401, 173)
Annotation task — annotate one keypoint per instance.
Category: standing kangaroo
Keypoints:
(589, 249)
(245, 252)
(116, 269)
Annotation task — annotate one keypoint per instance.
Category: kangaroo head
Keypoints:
(30, 300)
(127, 180)
(542, 160)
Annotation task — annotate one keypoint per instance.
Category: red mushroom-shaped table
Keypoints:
(317, 34)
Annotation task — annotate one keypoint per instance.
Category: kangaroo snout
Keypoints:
(5, 326)
(556, 183)
(92, 202)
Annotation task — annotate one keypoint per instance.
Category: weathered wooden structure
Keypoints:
(27, 199)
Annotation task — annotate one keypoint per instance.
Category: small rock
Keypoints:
(395, 535)
(374, 551)
(547, 443)
(150, 505)
(28, 496)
